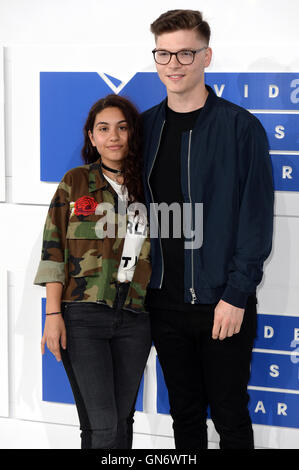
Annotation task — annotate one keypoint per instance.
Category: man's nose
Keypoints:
(174, 61)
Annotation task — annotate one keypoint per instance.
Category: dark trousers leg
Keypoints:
(130, 350)
(178, 355)
(199, 371)
(104, 360)
(226, 370)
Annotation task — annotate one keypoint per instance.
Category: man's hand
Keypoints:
(227, 320)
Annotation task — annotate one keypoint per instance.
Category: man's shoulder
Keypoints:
(238, 114)
(151, 112)
(232, 108)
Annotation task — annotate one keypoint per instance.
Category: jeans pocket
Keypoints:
(90, 325)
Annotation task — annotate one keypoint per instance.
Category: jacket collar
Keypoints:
(96, 179)
(159, 116)
(205, 110)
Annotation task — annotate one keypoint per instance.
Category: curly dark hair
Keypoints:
(132, 167)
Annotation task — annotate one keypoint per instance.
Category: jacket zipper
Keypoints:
(149, 175)
(192, 291)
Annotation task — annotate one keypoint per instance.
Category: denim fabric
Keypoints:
(200, 372)
(106, 353)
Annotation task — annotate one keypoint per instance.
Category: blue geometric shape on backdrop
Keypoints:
(66, 97)
(257, 90)
(145, 90)
(162, 392)
(56, 386)
(274, 408)
(113, 80)
(65, 100)
(139, 400)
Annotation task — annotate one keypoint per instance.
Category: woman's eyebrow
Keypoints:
(107, 123)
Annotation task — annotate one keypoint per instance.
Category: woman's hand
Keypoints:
(54, 333)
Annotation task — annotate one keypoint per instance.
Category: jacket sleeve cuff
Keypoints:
(49, 271)
(235, 297)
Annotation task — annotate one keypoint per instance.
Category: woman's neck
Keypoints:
(117, 177)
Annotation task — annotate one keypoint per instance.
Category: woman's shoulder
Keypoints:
(80, 171)
(76, 178)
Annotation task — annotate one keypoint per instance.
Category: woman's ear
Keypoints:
(91, 138)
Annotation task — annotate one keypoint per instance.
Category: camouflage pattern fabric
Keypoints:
(76, 251)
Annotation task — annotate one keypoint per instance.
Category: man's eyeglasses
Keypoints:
(184, 57)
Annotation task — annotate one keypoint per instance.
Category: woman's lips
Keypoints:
(114, 147)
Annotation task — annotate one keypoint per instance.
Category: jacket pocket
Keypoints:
(85, 258)
(87, 229)
(84, 247)
(96, 226)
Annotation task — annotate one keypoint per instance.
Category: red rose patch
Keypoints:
(85, 205)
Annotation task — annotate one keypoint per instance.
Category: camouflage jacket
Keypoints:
(74, 252)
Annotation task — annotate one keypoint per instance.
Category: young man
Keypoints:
(199, 148)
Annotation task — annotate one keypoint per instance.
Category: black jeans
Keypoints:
(200, 371)
(106, 353)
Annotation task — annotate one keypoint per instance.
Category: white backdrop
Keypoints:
(4, 406)
(252, 35)
(2, 157)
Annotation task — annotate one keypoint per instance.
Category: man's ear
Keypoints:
(208, 56)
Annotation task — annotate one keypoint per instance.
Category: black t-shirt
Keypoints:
(165, 182)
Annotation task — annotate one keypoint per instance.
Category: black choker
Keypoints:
(119, 172)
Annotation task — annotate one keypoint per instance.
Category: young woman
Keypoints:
(96, 279)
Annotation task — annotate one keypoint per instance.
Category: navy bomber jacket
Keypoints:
(225, 165)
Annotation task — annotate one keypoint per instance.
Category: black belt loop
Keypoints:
(122, 289)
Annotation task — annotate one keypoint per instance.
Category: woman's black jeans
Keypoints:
(107, 350)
